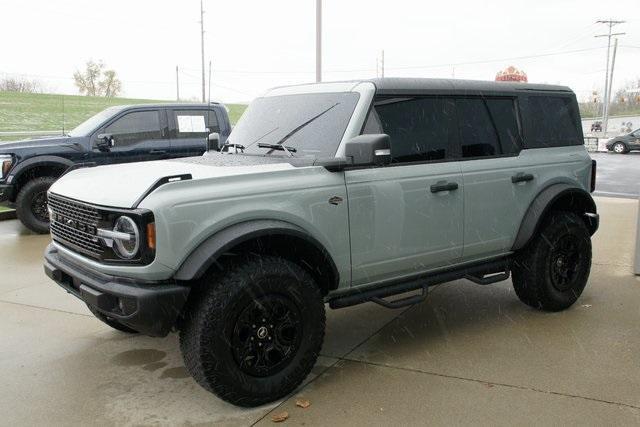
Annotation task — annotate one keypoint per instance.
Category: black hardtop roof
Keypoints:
(166, 105)
(404, 84)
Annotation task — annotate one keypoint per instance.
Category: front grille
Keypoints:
(75, 225)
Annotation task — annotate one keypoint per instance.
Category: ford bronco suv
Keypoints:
(119, 134)
(337, 193)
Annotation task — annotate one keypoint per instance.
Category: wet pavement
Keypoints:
(618, 174)
(468, 354)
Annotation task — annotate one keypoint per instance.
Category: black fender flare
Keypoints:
(541, 205)
(206, 254)
(40, 161)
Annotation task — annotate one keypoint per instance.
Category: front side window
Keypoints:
(553, 121)
(420, 128)
(310, 124)
(195, 123)
(135, 127)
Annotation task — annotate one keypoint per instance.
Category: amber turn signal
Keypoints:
(151, 235)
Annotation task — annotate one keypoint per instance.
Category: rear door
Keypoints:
(490, 140)
(402, 220)
(189, 130)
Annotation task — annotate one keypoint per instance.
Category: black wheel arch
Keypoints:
(39, 166)
(553, 198)
(272, 237)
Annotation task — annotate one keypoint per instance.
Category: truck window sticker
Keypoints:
(191, 124)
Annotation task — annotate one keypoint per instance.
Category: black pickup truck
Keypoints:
(132, 133)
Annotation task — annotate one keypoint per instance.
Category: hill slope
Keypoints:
(44, 112)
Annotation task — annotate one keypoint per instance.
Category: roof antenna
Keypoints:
(209, 107)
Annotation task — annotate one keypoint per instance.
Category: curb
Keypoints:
(6, 215)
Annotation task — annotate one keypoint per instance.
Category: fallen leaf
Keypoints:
(278, 418)
(303, 403)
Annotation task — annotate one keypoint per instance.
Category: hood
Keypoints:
(27, 144)
(122, 185)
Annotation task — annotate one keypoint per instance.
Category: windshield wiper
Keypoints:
(294, 131)
(289, 150)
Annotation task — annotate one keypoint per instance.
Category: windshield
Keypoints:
(308, 124)
(89, 125)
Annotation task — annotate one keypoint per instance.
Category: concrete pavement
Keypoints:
(469, 354)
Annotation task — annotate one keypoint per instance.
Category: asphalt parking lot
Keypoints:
(618, 175)
(469, 354)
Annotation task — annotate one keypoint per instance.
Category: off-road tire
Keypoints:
(535, 269)
(115, 324)
(26, 199)
(212, 316)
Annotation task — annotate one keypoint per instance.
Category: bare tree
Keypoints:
(110, 86)
(96, 81)
(88, 80)
(20, 84)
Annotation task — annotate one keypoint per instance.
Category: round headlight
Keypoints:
(127, 248)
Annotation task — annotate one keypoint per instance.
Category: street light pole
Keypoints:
(318, 41)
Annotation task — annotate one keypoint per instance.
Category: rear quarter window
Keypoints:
(552, 121)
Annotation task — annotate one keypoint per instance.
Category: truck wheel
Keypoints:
(252, 334)
(111, 322)
(31, 204)
(619, 148)
(552, 271)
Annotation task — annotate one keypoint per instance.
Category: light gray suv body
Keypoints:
(339, 192)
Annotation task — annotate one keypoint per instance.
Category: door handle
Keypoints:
(521, 177)
(158, 152)
(444, 186)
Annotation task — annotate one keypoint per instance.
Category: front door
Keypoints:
(407, 218)
(137, 136)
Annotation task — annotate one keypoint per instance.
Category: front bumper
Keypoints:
(7, 192)
(149, 307)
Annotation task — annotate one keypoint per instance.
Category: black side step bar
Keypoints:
(484, 274)
(488, 279)
(402, 302)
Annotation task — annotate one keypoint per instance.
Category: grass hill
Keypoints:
(44, 112)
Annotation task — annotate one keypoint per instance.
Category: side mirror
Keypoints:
(369, 150)
(214, 141)
(105, 142)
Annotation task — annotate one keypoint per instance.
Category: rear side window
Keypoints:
(503, 113)
(478, 137)
(419, 128)
(195, 123)
(552, 122)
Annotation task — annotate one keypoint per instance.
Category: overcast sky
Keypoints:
(255, 44)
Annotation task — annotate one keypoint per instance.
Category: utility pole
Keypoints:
(613, 66)
(202, 47)
(177, 85)
(382, 65)
(605, 106)
(318, 41)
